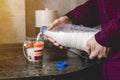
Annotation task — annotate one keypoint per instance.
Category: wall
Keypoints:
(63, 6)
(15, 26)
(12, 21)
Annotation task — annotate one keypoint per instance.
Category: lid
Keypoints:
(62, 64)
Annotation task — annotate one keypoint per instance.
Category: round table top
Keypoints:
(14, 65)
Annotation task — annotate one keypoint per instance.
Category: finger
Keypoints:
(108, 51)
(88, 50)
(104, 55)
(93, 55)
(100, 56)
(51, 40)
(56, 44)
(61, 47)
(53, 25)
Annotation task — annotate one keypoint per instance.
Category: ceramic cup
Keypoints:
(33, 50)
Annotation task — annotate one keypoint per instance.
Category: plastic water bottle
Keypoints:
(72, 36)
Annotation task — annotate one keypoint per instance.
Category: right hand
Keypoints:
(56, 23)
(95, 50)
(60, 21)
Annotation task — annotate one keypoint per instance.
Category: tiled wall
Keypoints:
(12, 21)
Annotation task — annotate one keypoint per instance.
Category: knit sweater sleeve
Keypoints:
(109, 35)
(86, 14)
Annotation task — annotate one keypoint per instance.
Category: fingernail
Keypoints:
(90, 57)
(56, 44)
(61, 47)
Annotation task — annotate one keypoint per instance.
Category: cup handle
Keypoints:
(25, 52)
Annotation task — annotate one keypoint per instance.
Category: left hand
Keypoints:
(57, 44)
(96, 50)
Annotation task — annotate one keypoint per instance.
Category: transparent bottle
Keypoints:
(69, 35)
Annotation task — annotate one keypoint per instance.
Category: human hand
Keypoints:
(56, 23)
(56, 44)
(96, 50)
(59, 21)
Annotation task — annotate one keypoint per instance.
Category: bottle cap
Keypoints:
(43, 29)
(61, 64)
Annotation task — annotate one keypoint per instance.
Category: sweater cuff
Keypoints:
(103, 39)
(72, 18)
(109, 36)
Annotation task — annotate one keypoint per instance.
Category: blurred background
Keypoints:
(17, 17)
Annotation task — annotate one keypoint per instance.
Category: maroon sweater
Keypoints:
(107, 14)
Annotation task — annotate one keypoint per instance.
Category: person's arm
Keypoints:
(86, 14)
(109, 36)
(105, 40)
